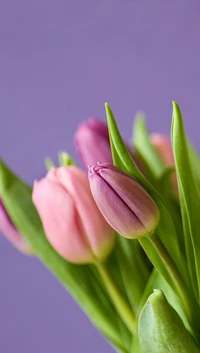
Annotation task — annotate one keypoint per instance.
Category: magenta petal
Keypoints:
(92, 142)
(124, 203)
(113, 208)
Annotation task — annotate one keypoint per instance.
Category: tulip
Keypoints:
(71, 220)
(164, 148)
(93, 145)
(124, 203)
(92, 142)
(9, 230)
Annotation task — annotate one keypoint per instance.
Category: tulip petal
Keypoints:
(134, 196)
(114, 209)
(60, 220)
(163, 145)
(99, 234)
(9, 230)
(92, 142)
(122, 201)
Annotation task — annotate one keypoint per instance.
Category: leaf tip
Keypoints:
(108, 108)
(176, 108)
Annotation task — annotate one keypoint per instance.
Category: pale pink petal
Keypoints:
(61, 221)
(99, 234)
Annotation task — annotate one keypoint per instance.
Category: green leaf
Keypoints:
(161, 330)
(144, 148)
(134, 269)
(49, 163)
(82, 281)
(160, 177)
(158, 282)
(195, 163)
(189, 198)
(136, 348)
(65, 159)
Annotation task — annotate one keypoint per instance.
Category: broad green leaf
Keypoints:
(81, 281)
(158, 282)
(161, 329)
(189, 198)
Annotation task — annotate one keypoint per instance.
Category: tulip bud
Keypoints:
(92, 142)
(11, 233)
(124, 203)
(93, 145)
(164, 148)
(71, 220)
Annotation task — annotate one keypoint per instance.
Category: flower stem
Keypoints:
(119, 302)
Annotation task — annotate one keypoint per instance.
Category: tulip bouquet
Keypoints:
(122, 235)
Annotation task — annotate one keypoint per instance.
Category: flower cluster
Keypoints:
(97, 229)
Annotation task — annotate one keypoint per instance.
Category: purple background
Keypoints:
(60, 60)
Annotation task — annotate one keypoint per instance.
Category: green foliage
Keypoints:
(161, 330)
(82, 281)
(168, 320)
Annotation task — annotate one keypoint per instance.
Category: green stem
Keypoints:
(189, 303)
(120, 304)
(171, 268)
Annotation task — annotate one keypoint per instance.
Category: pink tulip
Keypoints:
(92, 142)
(124, 203)
(9, 230)
(164, 148)
(71, 220)
(93, 145)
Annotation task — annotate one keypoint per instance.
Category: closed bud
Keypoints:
(93, 145)
(71, 220)
(92, 142)
(124, 203)
(9, 230)
(163, 146)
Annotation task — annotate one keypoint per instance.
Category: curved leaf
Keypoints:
(161, 330)
(189, 198)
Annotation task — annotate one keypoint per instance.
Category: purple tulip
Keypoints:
(11, 233)
(124, 203)
(92, 142)
(93, 145)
